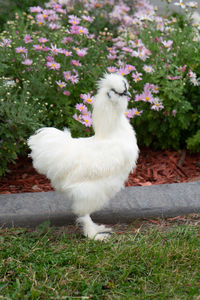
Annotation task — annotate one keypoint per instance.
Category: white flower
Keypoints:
(10, 83)
(157, 104)
(195, 81)
(148, 69)
(167, 44)
(180, 3)
(192, 75)
(192, 4)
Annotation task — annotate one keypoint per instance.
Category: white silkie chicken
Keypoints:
(90, 171)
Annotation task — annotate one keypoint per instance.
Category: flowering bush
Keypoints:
(9, 7)
(18, 119)
(51, 57)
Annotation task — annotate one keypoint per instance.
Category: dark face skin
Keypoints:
(124, 93)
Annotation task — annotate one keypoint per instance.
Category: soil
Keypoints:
(153, 167)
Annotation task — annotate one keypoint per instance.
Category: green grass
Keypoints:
(50, 263)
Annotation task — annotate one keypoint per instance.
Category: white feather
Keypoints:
(90, 171)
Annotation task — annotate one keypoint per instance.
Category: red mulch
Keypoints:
(153, 167)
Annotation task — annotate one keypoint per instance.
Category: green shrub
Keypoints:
(18, 119)
(10, 7)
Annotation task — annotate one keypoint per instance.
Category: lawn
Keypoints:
(141, 261)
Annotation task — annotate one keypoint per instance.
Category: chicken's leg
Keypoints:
(92, 230)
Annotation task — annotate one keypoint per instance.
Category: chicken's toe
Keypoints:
(103, 228)
(102, 236)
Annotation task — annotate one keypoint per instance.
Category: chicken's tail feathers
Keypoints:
(49, 147)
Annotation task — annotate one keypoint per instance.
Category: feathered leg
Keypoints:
(92, 230)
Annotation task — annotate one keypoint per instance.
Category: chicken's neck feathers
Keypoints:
(109, 118)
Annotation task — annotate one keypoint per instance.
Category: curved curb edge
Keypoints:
(167, 200)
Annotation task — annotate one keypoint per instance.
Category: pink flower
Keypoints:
(52, 18)
(77, 118)
(88, 18)
(67, 40)
(112, 50)
(27, 39)
(66, 93)
(136, 76)
(49, 58)
(38, 47)
(56, 6)
(174, 77)
(42, 40)
(54, 26)
(84, 119)
(123, 71)
(131, 113)
(67, 53)
(128, 113)
(174, 112)
(112, 69)
(74, 79)
(81, 52)
(138, 97)
(152, 87)
(53, 65)
(147, 96)
(143, 53)
(75, 63)
(45, 49)
(41, 18)
(83, 30)
(91, 36)
(182, 69)
(137, 43)
(126, 49)
(87, 98)
(160, 26)
(82, 108)
(21, 50)
(111, 56)
(35, 9)
(112, 53)
(27, 62)
(5, 43)
(78, 30)
(69, 77)
(62, 11)
(136, 112)
(167, 44)
(54, 50)
(74, 20)
(130, 67)
(61, 84)
(87, 120)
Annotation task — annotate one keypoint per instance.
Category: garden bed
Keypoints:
(154, 167)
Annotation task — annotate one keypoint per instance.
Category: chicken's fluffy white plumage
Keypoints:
(90, 171)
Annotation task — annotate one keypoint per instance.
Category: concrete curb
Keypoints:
(31, 209)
